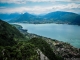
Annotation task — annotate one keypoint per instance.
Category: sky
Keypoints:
(39, 6)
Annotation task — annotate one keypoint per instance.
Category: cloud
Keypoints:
(35, 9)
(41, 9)
(13, 1)
(25, 1)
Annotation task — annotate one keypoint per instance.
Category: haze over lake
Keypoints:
(61, 32)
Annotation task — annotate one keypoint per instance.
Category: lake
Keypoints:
(61, 32)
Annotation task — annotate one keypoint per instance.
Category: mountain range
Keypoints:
(60, 17)
(8, 17)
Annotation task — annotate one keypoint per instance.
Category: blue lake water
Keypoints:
(61, 32)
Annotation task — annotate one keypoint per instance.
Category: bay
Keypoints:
(61, 32)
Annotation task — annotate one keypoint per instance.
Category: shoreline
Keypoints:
(25, 31)
(44, 23)
(61, 48)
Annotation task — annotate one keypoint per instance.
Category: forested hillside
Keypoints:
(15, 46)
(9, 34)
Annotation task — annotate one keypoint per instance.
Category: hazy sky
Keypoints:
(39, 6)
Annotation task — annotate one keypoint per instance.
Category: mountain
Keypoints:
(9, 34)
(53, 17)
(7, 17)
(63, 17)
(26, 17)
